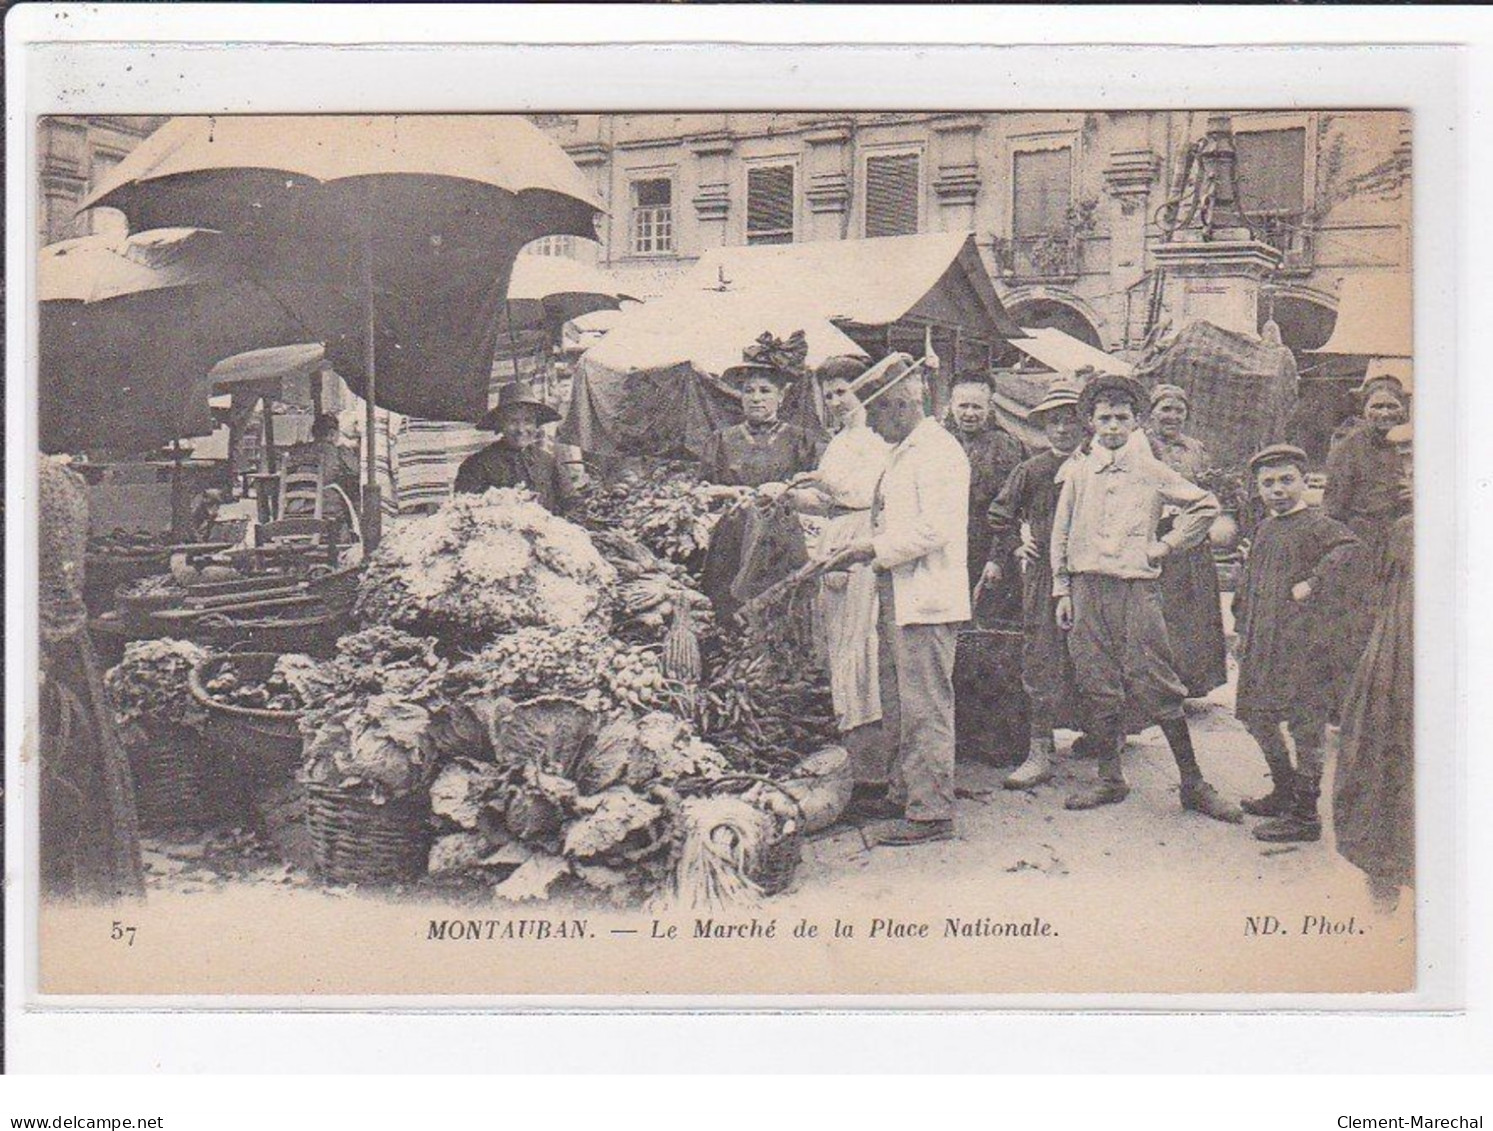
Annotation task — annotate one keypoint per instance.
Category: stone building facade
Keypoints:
(73, 155)
(1065, 206)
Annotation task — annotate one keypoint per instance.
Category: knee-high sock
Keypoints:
(1179, 738)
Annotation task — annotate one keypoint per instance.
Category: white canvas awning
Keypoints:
(1374, 317)
(1063, 353)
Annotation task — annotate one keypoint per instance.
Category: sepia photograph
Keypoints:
(784, 552)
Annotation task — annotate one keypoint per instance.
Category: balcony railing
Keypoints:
(1289, 234)
(1040, 257)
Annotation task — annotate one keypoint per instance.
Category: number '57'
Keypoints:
(120, 933)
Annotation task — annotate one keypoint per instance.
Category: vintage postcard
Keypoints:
(725, 553)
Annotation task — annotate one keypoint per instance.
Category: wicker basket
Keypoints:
(267, 744)
(782, 855)
(338, 589)
(354, 841)
(176, 785)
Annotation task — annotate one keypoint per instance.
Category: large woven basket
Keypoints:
(267, 744)
(314, 634)
(178, 784)
(355, 841)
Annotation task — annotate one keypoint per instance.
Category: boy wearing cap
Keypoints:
(1030, 496)
(1106, 560)
(1285, 671)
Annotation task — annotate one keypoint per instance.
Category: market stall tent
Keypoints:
(652, 386)
(1051, 353)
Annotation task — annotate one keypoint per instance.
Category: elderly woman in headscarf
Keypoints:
(1189, 581)
(1364, 473)
(862, 682)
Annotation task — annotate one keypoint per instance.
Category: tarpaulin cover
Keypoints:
(1373, 317)
(1241, 390)
(651, 385)
(873, 282)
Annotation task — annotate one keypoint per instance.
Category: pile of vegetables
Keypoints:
(568, 795)
(277, 692)
(667, 508)
(483, 565)
(149, 688)
(369, 722)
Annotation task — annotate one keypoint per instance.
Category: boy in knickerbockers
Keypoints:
(1106, 560)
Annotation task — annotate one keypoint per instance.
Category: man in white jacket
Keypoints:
(920, 523)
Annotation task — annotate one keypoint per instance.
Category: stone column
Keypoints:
(1128, 179)
(957, 184)
(827, 179)
(712, 200)
(1214, 281)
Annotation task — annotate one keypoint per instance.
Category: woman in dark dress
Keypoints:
(1363, 493)
(1374, 793)
(1189, 581)
(762, 449)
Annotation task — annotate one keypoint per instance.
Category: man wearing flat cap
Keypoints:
(516, 459)
(1106, 562)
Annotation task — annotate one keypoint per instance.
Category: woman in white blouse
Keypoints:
(849, 605)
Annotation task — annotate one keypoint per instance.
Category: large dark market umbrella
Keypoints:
(129, 330)
(393, 235)
(425, 214)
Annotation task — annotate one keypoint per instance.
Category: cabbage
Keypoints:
(613, 816)
(461, 789)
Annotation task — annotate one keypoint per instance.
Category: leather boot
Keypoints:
(1200, 797)
(1036, 769)
(1302, 824)
(1110, 789)
(1280, 799)
(870, 803)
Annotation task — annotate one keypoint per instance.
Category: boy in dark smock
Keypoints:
(1030, 496)
(1286, 672)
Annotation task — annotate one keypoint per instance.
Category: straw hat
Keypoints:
(512, 395)
(1061, 393)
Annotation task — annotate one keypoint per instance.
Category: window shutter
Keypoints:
(1271, 168)
(1043, 181)
(770, 204)
(892, 195)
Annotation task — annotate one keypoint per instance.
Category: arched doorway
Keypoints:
(1044, 313)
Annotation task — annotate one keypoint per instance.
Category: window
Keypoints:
(558, 247)
(1042, 185)
(1271, 171)
(893, 192)
(770, 204)
(653, 217)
